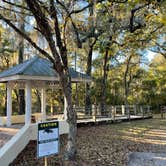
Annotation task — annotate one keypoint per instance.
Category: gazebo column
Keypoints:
(43, 103)
(9, 104)
(65, 108)
(28, 102)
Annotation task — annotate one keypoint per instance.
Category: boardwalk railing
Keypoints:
(95, 113)
(113, 112)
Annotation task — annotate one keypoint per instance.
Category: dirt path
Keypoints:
(105, 145)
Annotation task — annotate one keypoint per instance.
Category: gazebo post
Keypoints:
(9, 104)
(28, 102)
(43, 103)
(65, 108)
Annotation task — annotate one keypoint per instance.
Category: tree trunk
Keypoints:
(21, 101)
(104, 81)
(20, 60)
(37, 93)
(88, 105)
(126, 85)
(71, 115)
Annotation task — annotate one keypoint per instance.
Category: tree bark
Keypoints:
(104, 81)
(126, 84)
(37, 93)
(21, 92)
(92, 22)
(88, 106)
(71, 115)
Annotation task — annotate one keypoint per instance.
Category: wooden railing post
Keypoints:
(148, 110)
(162, 112)
(135, 109)
(123, 110)
(94, 110)
(113, 112)
(128, 112)
(109, 111)
(142, 111)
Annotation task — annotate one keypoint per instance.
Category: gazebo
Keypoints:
(38, 73)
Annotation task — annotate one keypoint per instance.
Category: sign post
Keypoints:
(48, 139)
(45, 161)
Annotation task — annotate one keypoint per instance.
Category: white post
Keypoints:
(52, 108)
(113, 112)
(9, 104)
(28, 104)
(43, 104)
(65, 108)
(93, 109)
(123, 110)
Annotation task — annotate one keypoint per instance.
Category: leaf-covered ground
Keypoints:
(106, 144)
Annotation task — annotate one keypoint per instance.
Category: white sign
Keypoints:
(48, 138)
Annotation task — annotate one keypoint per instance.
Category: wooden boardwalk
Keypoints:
(110, 119)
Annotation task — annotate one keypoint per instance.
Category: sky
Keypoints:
(150, 55)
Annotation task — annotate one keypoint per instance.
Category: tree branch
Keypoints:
(15, 11)
(16, 5)
(120, 1)
(162, 47)
(79, 43)
(25, 36)
(133, 11)
(81, 10)
(46, 30)
(159, 49)
(62, 48)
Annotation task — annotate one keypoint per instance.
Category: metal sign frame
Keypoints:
(48, 139)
